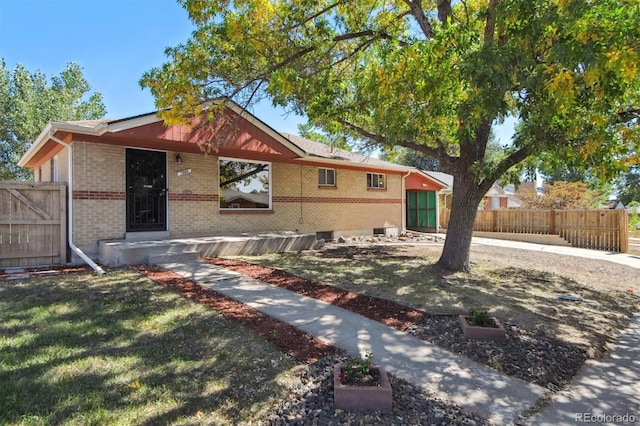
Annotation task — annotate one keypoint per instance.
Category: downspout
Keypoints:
(404, 202)
(73, 247)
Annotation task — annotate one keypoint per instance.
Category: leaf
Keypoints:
(134, 385)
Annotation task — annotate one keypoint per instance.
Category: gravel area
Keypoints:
(533, 357)
(311, 403)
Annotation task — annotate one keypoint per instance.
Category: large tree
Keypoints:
(28, 102)
(628, 186)
(432, 76)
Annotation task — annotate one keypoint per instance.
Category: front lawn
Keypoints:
(119, 349)
(518, 286)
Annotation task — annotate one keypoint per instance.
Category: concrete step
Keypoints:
(177, 257)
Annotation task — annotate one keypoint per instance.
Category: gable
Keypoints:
(420, 182)
(236, 134)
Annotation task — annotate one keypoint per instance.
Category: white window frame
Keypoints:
(376, 183)
(323, 173)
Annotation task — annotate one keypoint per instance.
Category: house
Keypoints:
(499, 197)
(496, 198)
(137, 178)
(615, 204)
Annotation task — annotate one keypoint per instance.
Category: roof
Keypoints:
(445, 178)
(317, 149)
(257, 198)
(304, 149)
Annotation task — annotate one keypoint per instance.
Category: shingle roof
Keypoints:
(321, 150)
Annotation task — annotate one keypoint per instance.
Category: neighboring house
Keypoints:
(136, 178)
(501, 198)
(496, 198)
(234, 199)
(615, 204)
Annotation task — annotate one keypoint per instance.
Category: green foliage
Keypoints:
(309, 131)
(628, 186)
(433, 77)
(356, 368)
(481, 318)
(634, 219)
(28, 102)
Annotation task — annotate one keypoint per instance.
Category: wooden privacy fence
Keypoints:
(33, 224)
(592, 229)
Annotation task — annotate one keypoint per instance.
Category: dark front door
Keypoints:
(146, 190)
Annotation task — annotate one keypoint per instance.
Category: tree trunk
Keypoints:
(455, 253)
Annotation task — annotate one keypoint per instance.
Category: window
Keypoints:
(375, 180)
(244, 185)
(326, 177)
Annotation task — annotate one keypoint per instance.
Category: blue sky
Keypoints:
(115, 42)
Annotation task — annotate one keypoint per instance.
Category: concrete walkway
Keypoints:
(620, 258)
(604, 391)
(448, 376)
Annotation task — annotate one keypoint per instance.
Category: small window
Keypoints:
(327, 177)
(375, 180)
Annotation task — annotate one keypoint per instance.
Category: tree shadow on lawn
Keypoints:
(523, 297)
(120, 349)
(529, 299)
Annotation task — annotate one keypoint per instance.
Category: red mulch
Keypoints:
(384, 311)
(298, 344)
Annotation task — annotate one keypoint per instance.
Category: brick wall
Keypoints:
(299, 204)
(98, 194)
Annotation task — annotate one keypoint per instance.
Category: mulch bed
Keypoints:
(389, 313)
(298, 344)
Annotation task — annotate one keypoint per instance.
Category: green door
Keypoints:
(421, 209)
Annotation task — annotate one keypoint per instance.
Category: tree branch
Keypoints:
(312, 16)
(243, 176)
(628, 115)
(418, 12)
(440, 152)
(444, 11)
(490, 24)
(513, 159)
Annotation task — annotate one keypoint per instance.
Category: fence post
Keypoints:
(552, 222)
(623, 222)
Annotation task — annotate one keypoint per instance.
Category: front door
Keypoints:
(146, 190)
(421, 209)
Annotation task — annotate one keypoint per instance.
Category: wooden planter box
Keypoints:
(484, 333)
(372, 398)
